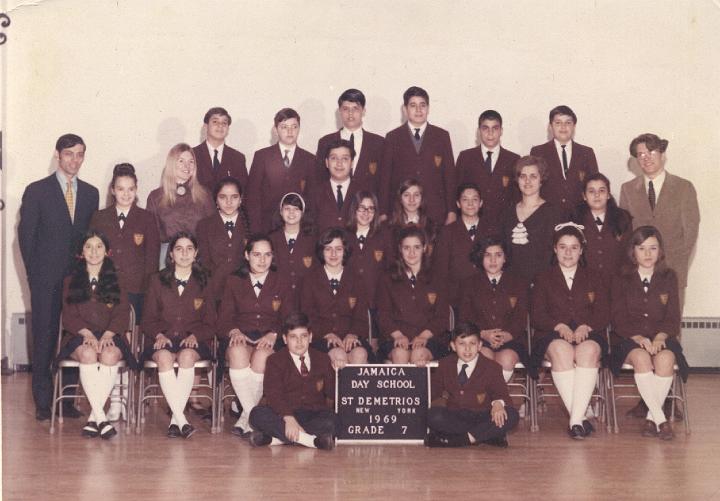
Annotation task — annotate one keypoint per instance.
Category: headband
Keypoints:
(302, 200)
(578, 227)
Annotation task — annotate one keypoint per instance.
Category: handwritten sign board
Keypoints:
(382, 403)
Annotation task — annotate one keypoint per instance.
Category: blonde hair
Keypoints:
(199, 194)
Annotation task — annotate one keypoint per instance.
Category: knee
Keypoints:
(487, 352)
(85, 355)
(110, 356)
(513, 417)
(640, 360)
(187, 358)
(358, 355)
(259, 415)
(399, 356)
(237, 357)
(507, 359)
(419, 354)
(664, 362)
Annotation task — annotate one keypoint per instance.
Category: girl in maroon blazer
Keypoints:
(95, 313)
(179, 324)
(221, 237)
(334, 299)
(413, 311)
(496, 301)
(646, 315)
(411, 209)
(607, 226)
(255, 300)
(569, 313)
(293, 239)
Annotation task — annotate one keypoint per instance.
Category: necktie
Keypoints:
(646, 284)
(417, 135)
(230, 227)
(488, 162)
(472, 231)
(352, 140)
(598, 221)
(291, 244)
(286, 158)
(70, 200)
(334, 285)
(93, 283)
(494, 282)
(304, 372)
(564, 160)
(413, 280)
(339, 197)
(361, 241)
(462, 375)
(651, 195)
(216, 161)
(121, 219)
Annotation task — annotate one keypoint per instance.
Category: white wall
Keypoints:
(134, 77)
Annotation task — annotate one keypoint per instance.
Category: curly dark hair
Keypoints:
(167, 274)
(108, 287)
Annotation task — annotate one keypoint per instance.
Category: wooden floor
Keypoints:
(543, 465)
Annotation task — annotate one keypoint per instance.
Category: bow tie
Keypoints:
(179, 282)
(598, 221)
(229, 225)
(258, 285)
(361, 239)
(121, 216)
(93, 283)
(334, 284)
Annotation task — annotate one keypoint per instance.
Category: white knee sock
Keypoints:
(585, 379)
(306, 439)
(662, 388)
(185, 381)
(94, 387)
(564, 382)
(243, 383)
(645, 382)
(171, 390)
(507, 375)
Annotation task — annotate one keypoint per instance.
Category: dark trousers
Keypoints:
(478, 424)
(46, 303)
(266, 420)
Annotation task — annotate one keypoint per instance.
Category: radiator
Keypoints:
(701, 341)
(18, 347)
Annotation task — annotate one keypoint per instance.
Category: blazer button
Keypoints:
(645, 315)
(229, 245)
(644, 300)
(462, 392)
(599, 251)
(118, 251)
(258, 315)
(334, 315)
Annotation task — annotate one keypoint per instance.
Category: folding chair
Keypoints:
(526, 386)
(126, 391)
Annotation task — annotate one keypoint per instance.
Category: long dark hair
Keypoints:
(355, 204)
(294, 199)
(108, 287)
(618, 220)
(167, 274)
(244, 219)
(398, 216)
(398, 269)
(243, 270)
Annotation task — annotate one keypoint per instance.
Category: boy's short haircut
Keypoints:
(352, 96)
(286, 114)
(465, 329)
(217, 111)
(415, 92)
(294, 321)
(489, 115)
(563, 110)
(68, 141)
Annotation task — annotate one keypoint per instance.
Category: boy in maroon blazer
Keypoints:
(329, 200)
(418, 150)
(215, 159)
(490, 166)
(299, 388)
(276, 170)
(569, 163)
(470, 401)
(368, 146)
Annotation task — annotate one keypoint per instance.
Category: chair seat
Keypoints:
(69, 363)
(628, 367)
(200, 364)
(519, 365)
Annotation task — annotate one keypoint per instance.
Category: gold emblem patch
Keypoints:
(307, 261)
(432, 297)
(664, 298)
(138, 238)
(302, 185)
(591, 297)
(352, 301)
(581, 175)
(438, 161)
(372, 167)
(109, 305)
(480, 397)
(513, 301)
(198, 302)
(505, 181)
(276, 303)
(378, 255)
(319, 385)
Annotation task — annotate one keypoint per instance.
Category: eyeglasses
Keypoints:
(645, 154)
(366, 210)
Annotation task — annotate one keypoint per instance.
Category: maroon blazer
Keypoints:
(503, 307)
(343, 313)
(322, 205)
(242, 309)
(135, 249)
(483, 387)
(177, 316)
(451, 256)
(94, 315)
(497, 189)
(605, 252)
(370, 262)
(232, 164)
(294, 264)
(565, 193)
(411, 311)
(368, 167)
(636, 312)
(433, 167)
(286, 391)
(588, 302)
(219, 253)
(270, 180)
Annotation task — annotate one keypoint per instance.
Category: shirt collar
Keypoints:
(211, 150)
(471, 365)
(413, 127)
(336, 276)
(345, 133)
(62, 179)
(259, 278)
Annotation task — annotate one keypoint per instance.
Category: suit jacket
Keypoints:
(175, 315)
(433, 167)
(232, 164)
(497, 189)
(242, 309)
(218, 252)
(293, 264)
(368, 166)
(343, 313)
(485, 385)
(503, 307)
(94, 315)
(48, 237)
(270, 180)
(135, 248)
(322, 205)
(370, 262)
(587, 302)
(676, 215)
(605, 252)
(565, 193)
(286, 391)
(636, 312)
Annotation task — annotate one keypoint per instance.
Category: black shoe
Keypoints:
(187, 431)
(588, 428)
(235, 408)
(576, 432)
(173, 431)
(90, 430)
(70, 411)
(107, 431)
(324, 442)
(667, 409)
(639, 411)
(434, 439)
(259, 439)
(43, 414)
(500, 441)
(239, 432)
